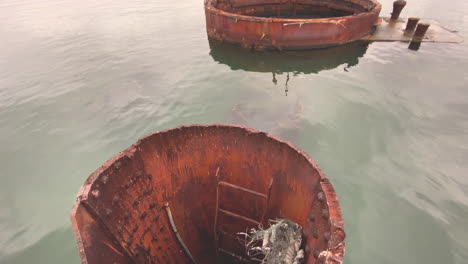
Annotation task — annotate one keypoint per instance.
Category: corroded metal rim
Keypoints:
(209, 6)
(334, 251)
(290, 33)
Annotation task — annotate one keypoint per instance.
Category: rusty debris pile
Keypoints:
(278, 244)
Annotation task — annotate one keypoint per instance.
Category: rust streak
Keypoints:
(111, 247)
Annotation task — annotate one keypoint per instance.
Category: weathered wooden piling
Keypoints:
(412, 23)
(397, 8)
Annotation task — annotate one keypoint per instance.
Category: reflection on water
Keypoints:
(307, 62)
(284, 120)
(289, 62)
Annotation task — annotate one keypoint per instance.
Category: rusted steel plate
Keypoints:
(120, 215)
(290, 24)
(390, 30)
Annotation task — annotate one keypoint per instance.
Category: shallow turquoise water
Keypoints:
(81, 81)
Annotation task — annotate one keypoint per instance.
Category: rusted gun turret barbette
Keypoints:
(290, 24)
(311, 24)
(183, 195)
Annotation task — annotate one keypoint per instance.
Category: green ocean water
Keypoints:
(83, 80)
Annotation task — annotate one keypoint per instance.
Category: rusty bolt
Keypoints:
(108, 211)
(397, 8)
(136, 203)
(95, 193)
(320, 196)
(127, 215)
(128, 185)
(147, 192)
(316, 253)
(156, 218)
(326, 236)
(315, 233)
(143, 215)
(116, 199)
(130, 240)
(325, 213)
(105, 179)
(312, 217)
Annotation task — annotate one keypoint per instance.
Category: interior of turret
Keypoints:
(299, 9)
(212, 184)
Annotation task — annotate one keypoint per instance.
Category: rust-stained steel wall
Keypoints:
(120, 215)
(234, 21)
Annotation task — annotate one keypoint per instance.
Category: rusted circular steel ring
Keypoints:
(118, 216)
(226, 20)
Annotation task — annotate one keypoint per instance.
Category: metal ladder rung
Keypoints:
(264, 196)
(242, 189)
(239, 216)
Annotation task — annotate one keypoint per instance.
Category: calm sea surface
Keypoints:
(82, 80)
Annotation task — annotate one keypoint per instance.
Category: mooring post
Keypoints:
(418, 36)
(414, 46)
(412, 23)
(397, 8)
(420, 32)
